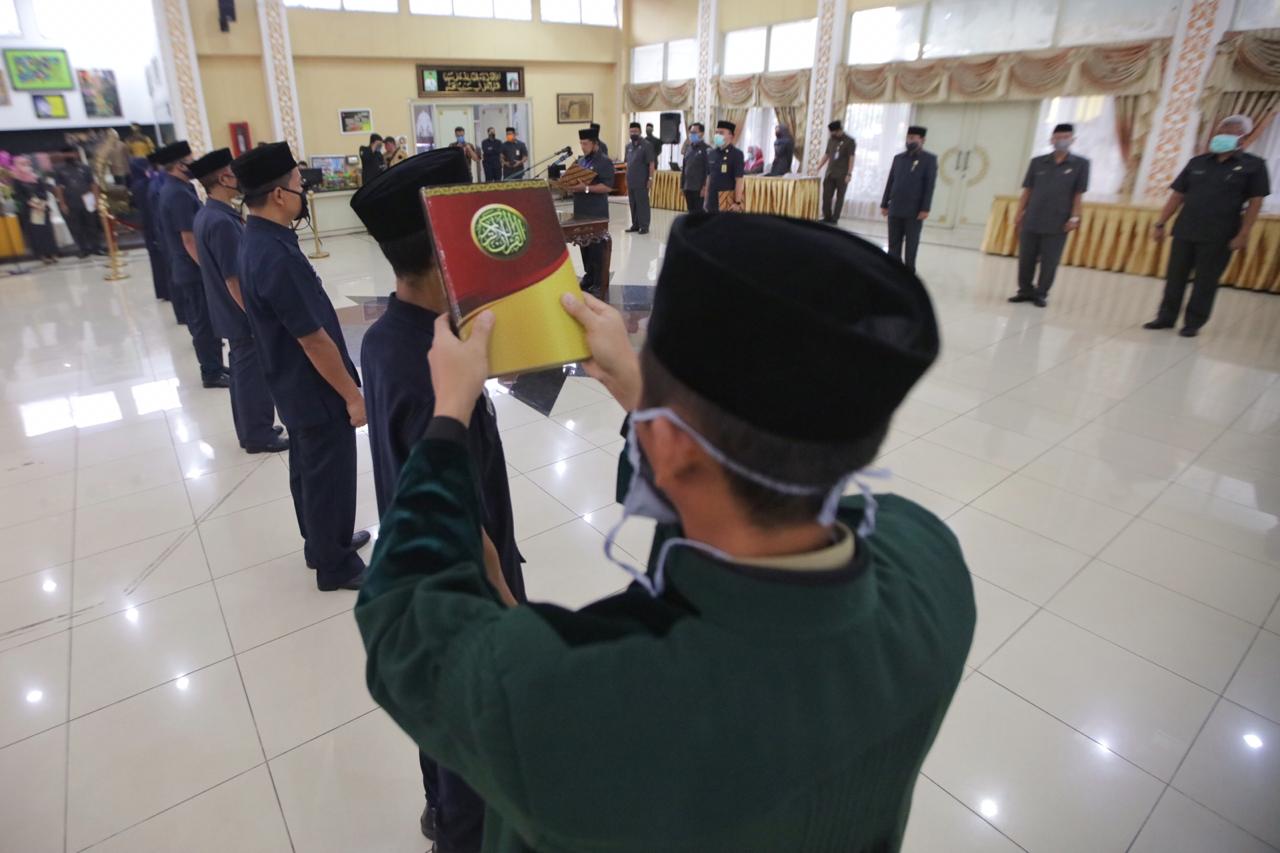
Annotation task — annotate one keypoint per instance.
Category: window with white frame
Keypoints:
(602, 13)
(966, 27)
(745, 51)
(682, 59)
(646, 63)
(880, 131)
(512, 10)
(9, 23)
(347, 5)
(887, 34)
(1256, 15)
(791, 45)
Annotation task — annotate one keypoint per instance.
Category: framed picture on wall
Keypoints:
(575, 108)
(50, 106)
(241, 141)
(4, 91)
(356, 121)
(39, 70)
(98, 88)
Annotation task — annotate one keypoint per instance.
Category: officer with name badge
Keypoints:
(591, 201)
(304, 357)
(641, 164)
(1048, 210)
(178, 206)
(218, 228)
(908, 195)
(725, 168)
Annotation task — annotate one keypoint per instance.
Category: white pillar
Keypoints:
(708, 36)
(1171, 142)
(828, 57)
(277, 65)
(182, 73)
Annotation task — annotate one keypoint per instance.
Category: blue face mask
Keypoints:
(719, 138)
(462, 140)
(1224, 143)
(646, 500)
(695, 137)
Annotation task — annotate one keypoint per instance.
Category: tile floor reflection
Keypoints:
(171, 680)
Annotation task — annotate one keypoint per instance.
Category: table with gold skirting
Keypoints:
(11, 243)
(798, 197)
(1117, 237)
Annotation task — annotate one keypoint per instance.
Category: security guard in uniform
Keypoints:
(1220, 194)
(592, 202)
(304, 357)
(218, 228)
(908, 195)
(725, 168)
(641, 165)
(1048, 210)
(178, 206)
(841, 149)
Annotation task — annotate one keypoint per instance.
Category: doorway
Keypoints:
(982, 153)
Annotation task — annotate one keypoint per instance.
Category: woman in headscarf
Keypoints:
(31, 197)
(754, 164)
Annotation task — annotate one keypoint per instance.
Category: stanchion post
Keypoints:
(115, 265)
(315, 228)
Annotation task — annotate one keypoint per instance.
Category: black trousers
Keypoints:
(208, 346)
(85, 229)
(638, 198)
(252, 409)
(594, 273)
(906, 228)
(159, 272)
(833, 191)
(1045, 248)
(322, 478)
(459, 810)
(693, 200)
(1208, 261)
(492, 172)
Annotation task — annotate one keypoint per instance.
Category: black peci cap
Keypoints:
(211, 162)
(262, 165)
(727, 125)
(1065, 128)
(173, 152)
(828, 336)
(589, 133)
(835, 125)
(390, 205)
(917, 130)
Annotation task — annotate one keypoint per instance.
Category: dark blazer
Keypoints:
(909, 190)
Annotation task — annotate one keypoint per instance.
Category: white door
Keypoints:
(948, 137)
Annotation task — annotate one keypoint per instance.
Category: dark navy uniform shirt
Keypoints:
(400, 400)
(218, 229)
(694, 171)
(912, 177)
(178, 206)
(724, 167)
(152, 221)
(1215, 195)
(1053, 188)
(285, 301)
(594, 205)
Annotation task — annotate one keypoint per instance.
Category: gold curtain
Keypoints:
(736, 91)
(1259, 106)
(782, 90)
(737, 115)
(645, 97)
(1133, 125)
(1244, 78)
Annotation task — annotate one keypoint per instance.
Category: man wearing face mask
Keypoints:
(841, 149)
(515, 154)
(178, 204)
(1211, 191)
(767, 596)
(693, 172)
(305, 360)
(460, 142)
(217, 231)
(641, 165)
(908, 195)
(784, 151)
(491, 156)
(1048, 210)
(725, 169)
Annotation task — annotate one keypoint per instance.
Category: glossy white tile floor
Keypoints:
(170, 679)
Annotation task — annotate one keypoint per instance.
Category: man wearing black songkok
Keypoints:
(775, 678)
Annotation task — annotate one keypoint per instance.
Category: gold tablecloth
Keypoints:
(11, 242)
(798, 197)
(1117, 237)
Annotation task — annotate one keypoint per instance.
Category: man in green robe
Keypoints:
(774, 679)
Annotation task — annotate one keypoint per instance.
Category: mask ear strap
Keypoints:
(654, 589)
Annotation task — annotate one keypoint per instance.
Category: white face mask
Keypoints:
(645, 500)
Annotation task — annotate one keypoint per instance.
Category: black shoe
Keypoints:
(632, 229)
(218, 380)
(359, 539)
(428, 822)
(1157, 324)
(352, 582)
(1040, 302)
(275, 445)
(643, 231)
(1021, 297)
(1188, 332)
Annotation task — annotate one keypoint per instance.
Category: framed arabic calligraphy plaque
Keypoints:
(467, 81)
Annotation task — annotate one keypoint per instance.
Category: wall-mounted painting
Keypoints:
(575, 109)
(356, 121)
(50, 106)
(4, 91)
(98, 88)
(38, 69)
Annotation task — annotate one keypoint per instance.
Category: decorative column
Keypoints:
(827, 59)
(178, 53)
(708, 35)
(277, 64)
(1201, 24)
